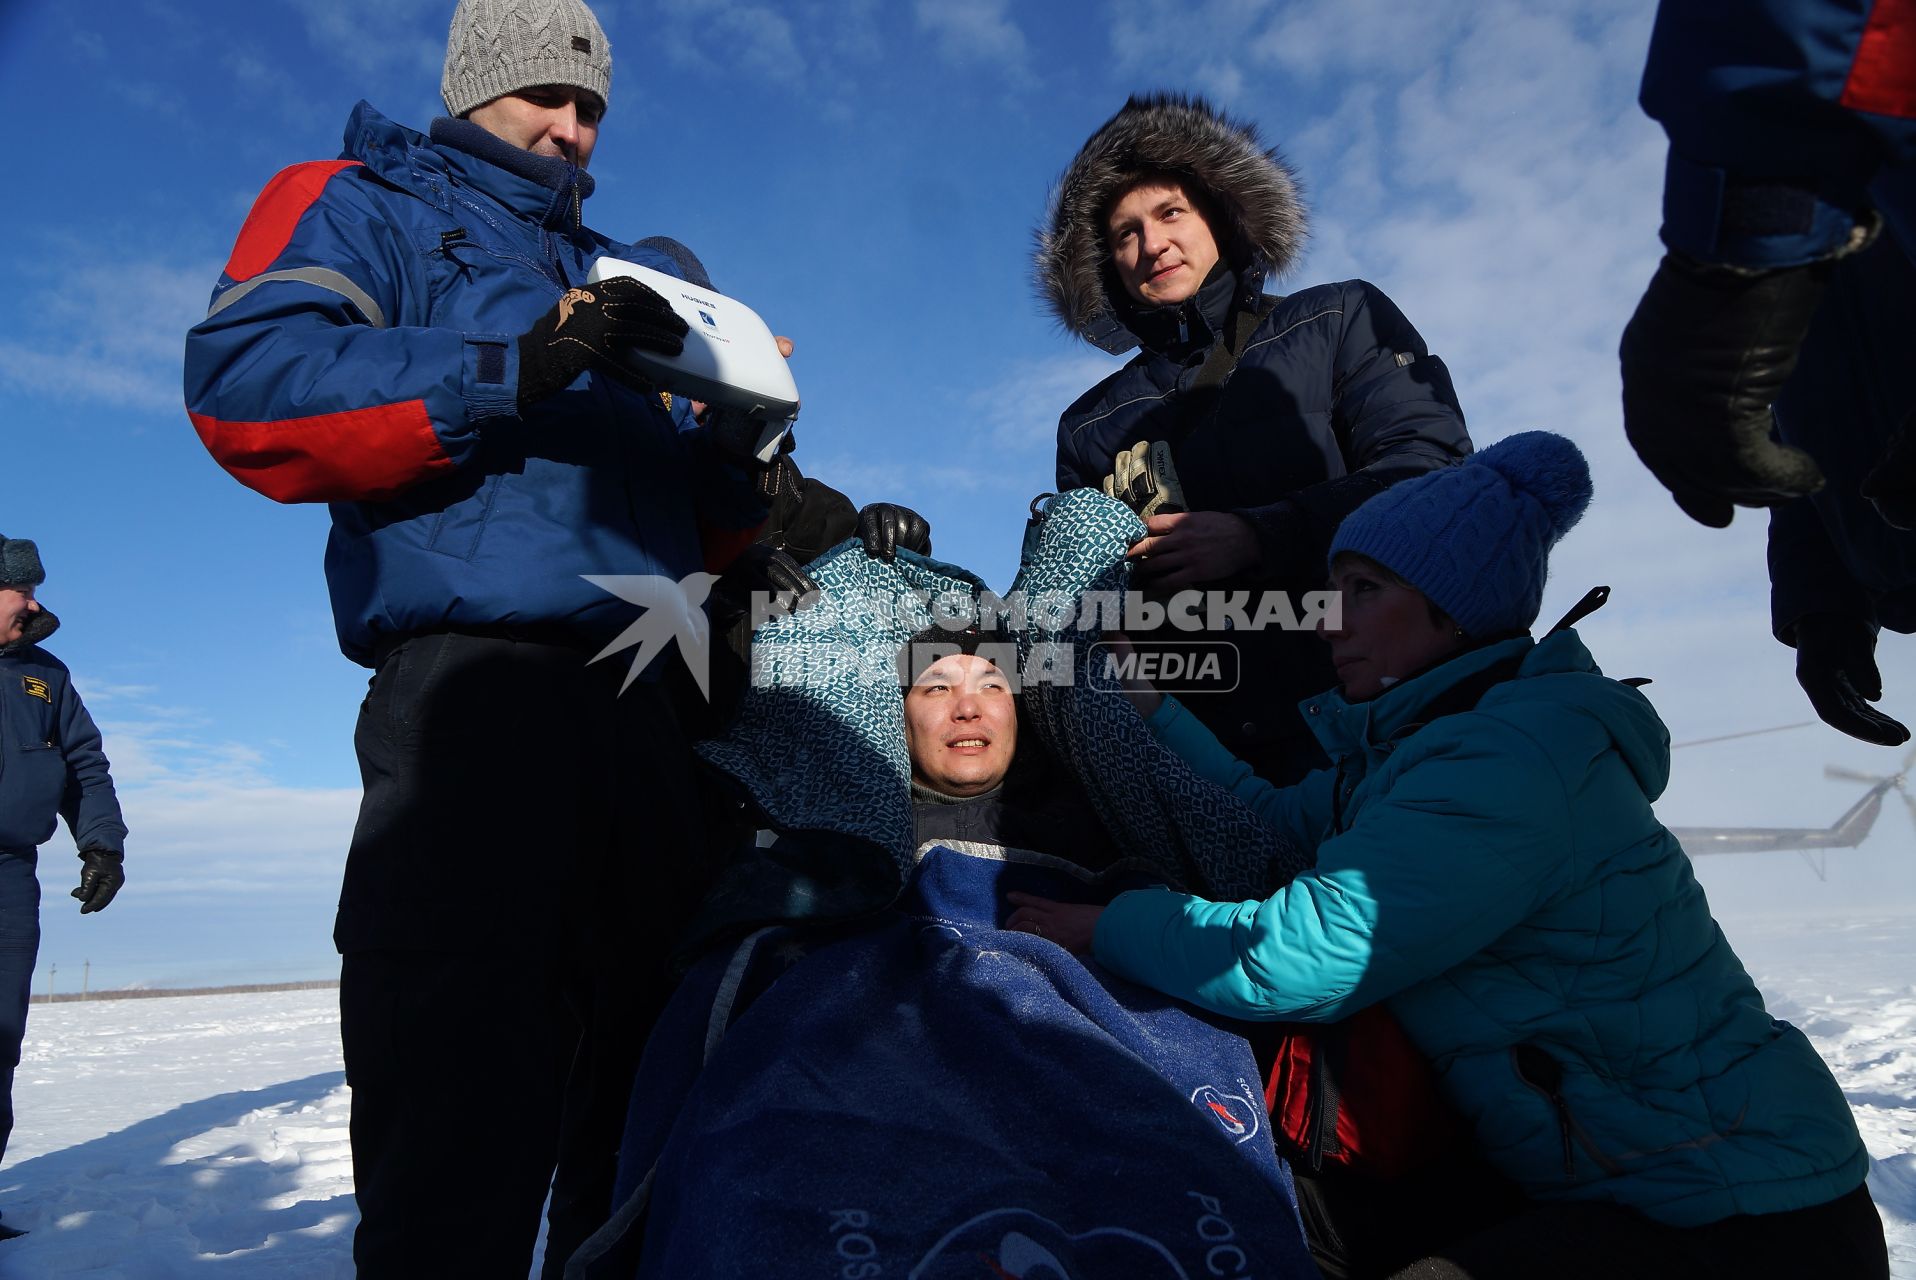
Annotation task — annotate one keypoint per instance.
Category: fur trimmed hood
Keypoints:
(38, 628)
(1249, 184)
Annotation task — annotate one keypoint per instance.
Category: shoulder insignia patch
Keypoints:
(665, 398)
(36, 688)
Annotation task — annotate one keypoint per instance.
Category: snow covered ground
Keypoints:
(206, 1135)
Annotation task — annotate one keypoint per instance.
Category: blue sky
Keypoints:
(867, 175)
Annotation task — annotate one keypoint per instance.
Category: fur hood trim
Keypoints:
(38, 628)
(1250, 185)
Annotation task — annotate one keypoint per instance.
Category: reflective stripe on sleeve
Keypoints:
(320, 277)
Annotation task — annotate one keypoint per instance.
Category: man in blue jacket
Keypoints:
(405, 334)
(51, 765)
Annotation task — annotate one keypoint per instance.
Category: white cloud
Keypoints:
(730, 37)
(209, 821)
(847, 29)
(108, 333)
(375, 37)
(1021, 407)
(975, 32)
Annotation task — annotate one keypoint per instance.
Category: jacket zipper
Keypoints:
(1322, 1133)
(1543, 1074)
(455, 239)
(1337, 795)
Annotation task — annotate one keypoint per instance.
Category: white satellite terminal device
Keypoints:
(730, 357)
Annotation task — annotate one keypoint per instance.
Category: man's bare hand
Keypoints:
(1193, 547)
(1069, 924)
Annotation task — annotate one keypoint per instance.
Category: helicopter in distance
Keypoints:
(1847, 832)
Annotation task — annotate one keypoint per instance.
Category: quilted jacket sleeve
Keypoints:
(1464, 843)
(1396, 415)
(1300, 813)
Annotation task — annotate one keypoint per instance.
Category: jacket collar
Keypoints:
(1191, 325)
(539, 189)
(1342, 725)
(470, 142)
(42, 625)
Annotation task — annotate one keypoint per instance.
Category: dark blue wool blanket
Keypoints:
(923, 1094)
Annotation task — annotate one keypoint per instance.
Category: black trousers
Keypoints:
(526, 850)
(1463, 1221)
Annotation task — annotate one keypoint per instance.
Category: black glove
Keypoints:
(736, 433)
(591, 326)
(884, 527)
(1836, 665)
(1704, 356)
(101, 875)
(771, 575)
(1891, 483)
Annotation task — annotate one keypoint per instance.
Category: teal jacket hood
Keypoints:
(1558, 669)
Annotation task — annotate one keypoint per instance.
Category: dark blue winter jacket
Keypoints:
(1787, 120)
(51, 764)
(1334, 396)
(361, 351)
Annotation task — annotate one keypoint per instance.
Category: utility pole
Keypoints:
(86, 976)
(52, 969)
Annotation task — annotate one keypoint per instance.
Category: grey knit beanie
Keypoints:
(498, 47)
(20, 563)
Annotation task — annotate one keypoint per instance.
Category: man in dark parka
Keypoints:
(1281, 415)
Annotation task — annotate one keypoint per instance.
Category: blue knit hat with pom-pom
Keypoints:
(1475, 538)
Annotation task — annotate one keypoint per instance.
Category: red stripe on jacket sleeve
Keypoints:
(1882, 80)
(359, 455)
(269, 227)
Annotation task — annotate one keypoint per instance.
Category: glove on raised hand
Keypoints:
(736, 434)
(1836, 665)
(101, 874)
(1704, 357)
(1145, 479)
(591, 326)
(764, 576)
(884, 527)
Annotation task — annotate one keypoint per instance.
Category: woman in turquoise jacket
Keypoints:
(1488, 863)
